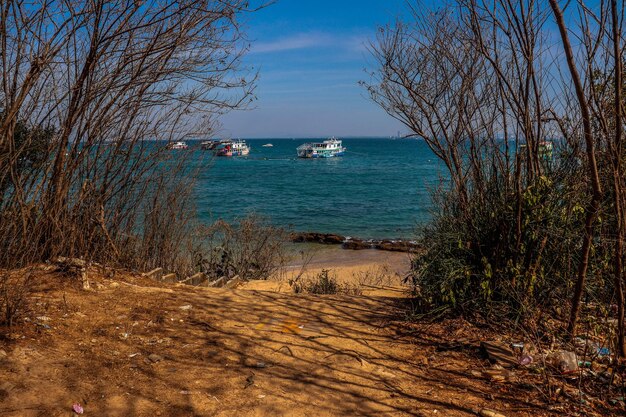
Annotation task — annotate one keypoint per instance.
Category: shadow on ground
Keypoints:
(133, 350)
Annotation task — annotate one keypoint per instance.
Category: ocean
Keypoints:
(379, 189)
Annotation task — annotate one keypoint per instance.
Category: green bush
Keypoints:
(477, 258)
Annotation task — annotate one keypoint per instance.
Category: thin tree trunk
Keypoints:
(617, 183)
(596, 188)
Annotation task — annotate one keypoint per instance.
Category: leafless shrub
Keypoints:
(250, 248)
(323, 283)
(377, 276)
(14, 289)
(98, 89)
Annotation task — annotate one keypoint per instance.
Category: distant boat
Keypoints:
(545, 149)
(232, 148)
(327, 149)
(209, 145)
(177, 145)
(268, 145)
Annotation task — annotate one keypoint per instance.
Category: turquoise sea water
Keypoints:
(379, 189)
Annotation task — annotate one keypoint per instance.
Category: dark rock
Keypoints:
(324, 238)
(397, 246)
(357, 244)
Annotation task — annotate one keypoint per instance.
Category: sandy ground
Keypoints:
(370, 270)
(332, 256)
(133, 347)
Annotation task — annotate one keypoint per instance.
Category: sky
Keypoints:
(310, 55)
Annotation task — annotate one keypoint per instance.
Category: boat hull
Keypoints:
(232, 153)
(317, 155)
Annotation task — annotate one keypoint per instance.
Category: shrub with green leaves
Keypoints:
(479, 258)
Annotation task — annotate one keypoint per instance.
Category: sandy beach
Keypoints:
(367, 270)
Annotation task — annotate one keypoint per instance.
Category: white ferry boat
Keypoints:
(177, 145)
(232, 148)
(327, 149)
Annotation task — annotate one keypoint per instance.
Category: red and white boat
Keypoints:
(232, 148)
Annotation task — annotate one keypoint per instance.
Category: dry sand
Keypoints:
(370, 270)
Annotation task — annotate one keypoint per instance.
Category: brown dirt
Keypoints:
(132, 347)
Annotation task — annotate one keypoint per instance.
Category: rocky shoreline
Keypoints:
(347, 242)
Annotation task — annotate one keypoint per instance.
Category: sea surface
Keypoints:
(379, 189)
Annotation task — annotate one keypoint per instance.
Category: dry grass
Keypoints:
(325, 282)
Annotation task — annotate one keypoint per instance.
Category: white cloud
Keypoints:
(306, 40)
(296, 41)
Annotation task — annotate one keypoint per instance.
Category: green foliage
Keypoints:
(477, 259)
(30, 149)
(323, 284)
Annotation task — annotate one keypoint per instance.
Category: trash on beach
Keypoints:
(249, 381)
(564, 361)
(77, 408)
(291, 326)
(518, 346)
(500, 353)
(485, 412)
(616, 401)
(496, 374)
(525, 360)
(286, 350)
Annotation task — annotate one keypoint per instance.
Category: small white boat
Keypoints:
(177, 145)
(268, 145)
(327, 149)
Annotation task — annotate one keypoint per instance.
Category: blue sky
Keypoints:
(311, 54)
